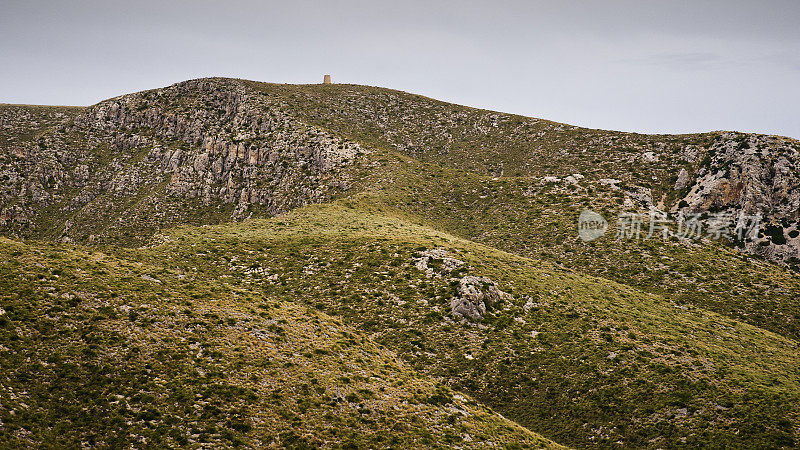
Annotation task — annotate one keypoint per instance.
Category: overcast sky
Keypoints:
(633, 65)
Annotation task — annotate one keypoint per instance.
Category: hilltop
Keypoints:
(218, 139)
(313, 258)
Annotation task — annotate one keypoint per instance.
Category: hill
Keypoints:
(400, 243)
(108, 352)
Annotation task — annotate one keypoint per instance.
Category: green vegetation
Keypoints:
(114, 352)
(603, 356)
(175, 322)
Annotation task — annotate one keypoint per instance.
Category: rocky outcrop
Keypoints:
(683, 179)
(437, 261)
(753, 174)
(235, 146)
(201, 151)
(475, 296)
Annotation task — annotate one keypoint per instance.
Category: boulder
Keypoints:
(475, 296)
(683, 180)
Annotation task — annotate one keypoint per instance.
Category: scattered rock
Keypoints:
(437, 261)
(641, 197)
(475, 295)
(574, 178)
(610, 182)
(529, 305)
(649, 157)
(683, 180)
(150, 279)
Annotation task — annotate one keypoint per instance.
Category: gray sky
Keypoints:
(633, 65)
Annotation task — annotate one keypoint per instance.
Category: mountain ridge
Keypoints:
(664, 170)
(446, 235)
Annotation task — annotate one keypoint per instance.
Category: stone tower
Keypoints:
(326, 79)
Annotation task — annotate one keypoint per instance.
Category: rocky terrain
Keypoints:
(233, 149)
(128, 166)
(711, 172)
(346, 266)
(755, 175)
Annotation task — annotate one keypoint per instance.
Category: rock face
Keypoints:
(201, 151)
(210, 150)
(475, 295)
(683, 179)
(752, 174)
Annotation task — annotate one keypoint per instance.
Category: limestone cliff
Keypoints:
(195, 152)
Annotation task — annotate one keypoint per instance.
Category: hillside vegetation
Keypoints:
(225, 263)
(113, 352)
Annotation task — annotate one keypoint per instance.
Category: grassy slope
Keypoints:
(489, 142)
(444, 185)
(112, 352)
(610, 363)
(517, 214)
(539, 220)
(607, 364)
